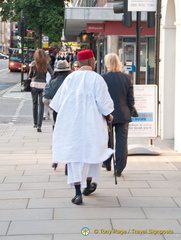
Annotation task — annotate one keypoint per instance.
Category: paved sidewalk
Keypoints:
(35, 201)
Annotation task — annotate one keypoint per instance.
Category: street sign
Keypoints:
(142, 5)
(45, 41)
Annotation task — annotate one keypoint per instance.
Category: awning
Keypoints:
(77, 18)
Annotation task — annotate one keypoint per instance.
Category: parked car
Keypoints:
(3, 56)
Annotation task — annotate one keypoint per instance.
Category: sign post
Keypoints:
(138, 36)
(142, 5)
(45, 41)
(145, 125)
(22, 33)
(138, 6)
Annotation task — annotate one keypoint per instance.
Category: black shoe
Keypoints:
(35, 126)
(92, 189)
(66, 170)
(77, 199)
(107, 166)
(54, 165)
(118, 173)
(39, 129)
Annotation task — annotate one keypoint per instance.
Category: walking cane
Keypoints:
(111, 141)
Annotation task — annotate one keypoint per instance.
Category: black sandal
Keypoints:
(54, 165)
(92, 189)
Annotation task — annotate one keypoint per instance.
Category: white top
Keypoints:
(80, 133)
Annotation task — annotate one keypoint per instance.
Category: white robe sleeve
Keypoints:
(103, 99)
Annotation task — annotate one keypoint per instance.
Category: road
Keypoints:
(16, 106)
(7, 78)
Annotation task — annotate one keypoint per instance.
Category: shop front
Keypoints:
(123, 43)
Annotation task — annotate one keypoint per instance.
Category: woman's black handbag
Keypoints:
(26, 85)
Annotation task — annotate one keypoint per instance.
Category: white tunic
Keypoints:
(80, 133)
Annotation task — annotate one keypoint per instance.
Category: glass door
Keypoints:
(143, 64)
(128, 58)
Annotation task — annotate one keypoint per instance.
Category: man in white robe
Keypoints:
(80, 136)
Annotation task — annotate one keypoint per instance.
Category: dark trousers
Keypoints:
(121, 146)
(38, 106)
(54, 119)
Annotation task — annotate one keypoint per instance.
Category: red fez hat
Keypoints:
(85, 54)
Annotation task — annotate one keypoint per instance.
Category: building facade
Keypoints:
(169, 78)
(95, 25)
(106, 34)
(4, 36)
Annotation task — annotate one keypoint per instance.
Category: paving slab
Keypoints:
(104, 236)
(163, 213)
(154, 177)
(26, 237)
(165, 184)
(35, 200)
(23, 179)
(4, 227)
(25, 214)
(151, 202)
(36, 172)
(160, 192)
(177, 165)
(55, 226)
(172, 237)
(17, 162)
(90, 201)
(41, 185)
(9, 186)
(146, 224)
(21, 194)
(100, 213)
(13, 203)
(124, 184)
(168, 175)
(6, 172)
(150, 166)
(177, 200)
(1, 179)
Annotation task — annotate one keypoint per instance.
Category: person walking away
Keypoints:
(60, 73)
(67, 57)
(47, 111)
(37, 74)
(80, 135)
(52, 60)
(121, 91)
(75, 56)
(75, 67)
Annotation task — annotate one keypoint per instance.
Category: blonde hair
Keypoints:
(77, 63)
(112, 62)
(41, 60)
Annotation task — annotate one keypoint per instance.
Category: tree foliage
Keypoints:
(43, 16)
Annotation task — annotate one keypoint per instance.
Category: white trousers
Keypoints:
(79, 172)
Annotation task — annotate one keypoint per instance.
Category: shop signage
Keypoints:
(142, 5)
(95, 27)
(145, 125)
(45, 41)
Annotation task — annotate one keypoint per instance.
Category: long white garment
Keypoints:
(80, 133)
(78, 172)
